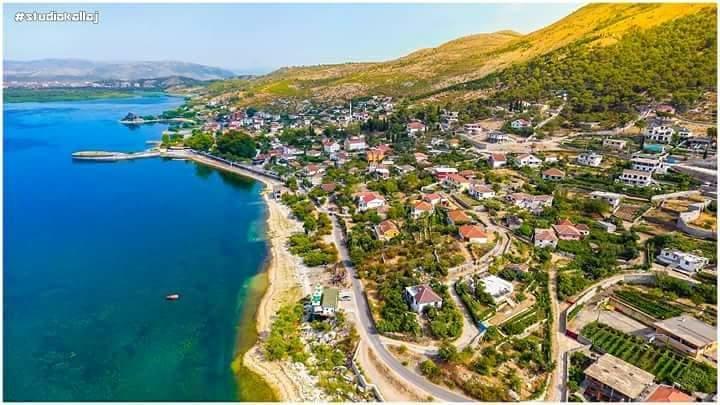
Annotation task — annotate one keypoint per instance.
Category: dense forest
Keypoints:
(675, 61)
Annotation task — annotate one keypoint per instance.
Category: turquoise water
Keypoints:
(91, 250)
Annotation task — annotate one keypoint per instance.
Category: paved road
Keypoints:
(370, 334)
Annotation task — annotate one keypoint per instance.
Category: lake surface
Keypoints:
(91, 250)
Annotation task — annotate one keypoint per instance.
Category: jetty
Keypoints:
(141, 121)
(100, 155)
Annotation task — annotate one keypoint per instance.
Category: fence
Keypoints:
(361, 377)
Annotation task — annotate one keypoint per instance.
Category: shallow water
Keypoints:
(91, 249)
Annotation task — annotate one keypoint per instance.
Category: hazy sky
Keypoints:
(247, 37)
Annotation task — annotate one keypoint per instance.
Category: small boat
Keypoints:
(172, 297)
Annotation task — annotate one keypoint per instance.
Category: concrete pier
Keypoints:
(99, 155)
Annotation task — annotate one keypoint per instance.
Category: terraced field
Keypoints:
(657, 308)
(519, 323)
(667, 366)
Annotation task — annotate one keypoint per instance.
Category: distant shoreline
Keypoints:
(47, 95)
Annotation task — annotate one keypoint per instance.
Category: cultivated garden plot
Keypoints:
(667, 366)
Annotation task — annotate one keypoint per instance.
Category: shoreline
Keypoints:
(282, 286)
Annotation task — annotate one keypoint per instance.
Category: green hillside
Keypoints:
(465, 60)
(676, 61)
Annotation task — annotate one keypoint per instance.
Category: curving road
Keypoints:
(369, 334)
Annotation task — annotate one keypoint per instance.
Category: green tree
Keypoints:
(236, 144)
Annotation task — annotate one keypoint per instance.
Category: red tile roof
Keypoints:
(482, 188)
(458, 216)
(471, 232)
(432, 197)
(386, 227)
(554, 172)
(544, 234)
(423, 206)
(425, 295)
(663, 393)
(566, 231)
(456, 178)
(369, 196)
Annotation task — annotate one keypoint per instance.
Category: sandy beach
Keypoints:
(283, 284)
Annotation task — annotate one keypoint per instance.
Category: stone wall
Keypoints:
(686, 218)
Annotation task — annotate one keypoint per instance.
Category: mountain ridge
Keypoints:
(84, 69)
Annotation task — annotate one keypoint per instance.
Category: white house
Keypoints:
(614, 143)
(497, 160)
(530, 202)
(450, 117)
(613, 199)
(421, 208)
(498, 137)
(648, 165)
(330, 146)
(422, 296)
(528, 160)
(441, 172)
(681, 261)
(498, 288)
(354, 144)
(324, 301)
(544, 238)
(456, 182)
(473, 129)
(635, 178)
(589, 159)
(520, 124)
(659, 133)
(553, 174)
(684, 133)
(414, 127)
(369, 200)
(480, 191)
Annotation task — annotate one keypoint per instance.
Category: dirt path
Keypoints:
(556, 383)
